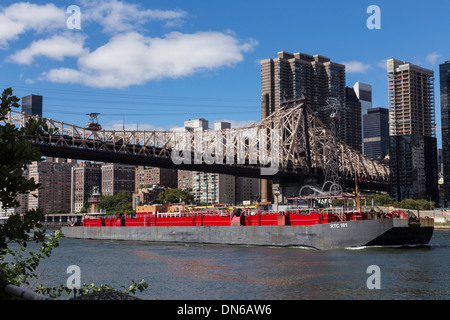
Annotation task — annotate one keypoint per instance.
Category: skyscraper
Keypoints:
(444, 76)
(364, 93)
(412, 145)
(376, 133)
(32, 104)
(352, 117)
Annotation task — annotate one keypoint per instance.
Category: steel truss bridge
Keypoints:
(292, 140)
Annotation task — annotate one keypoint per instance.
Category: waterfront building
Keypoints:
(376, 133)
(247, 189)
(444, 77)
(213, 188)
(85, 176)
(32, 104)
(185, 180)
(117, 178)
(54, 176)
(412, 145)
(146, 195)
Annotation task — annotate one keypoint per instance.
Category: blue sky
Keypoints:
(155, 64)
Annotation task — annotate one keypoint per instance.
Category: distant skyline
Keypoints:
(154, 65)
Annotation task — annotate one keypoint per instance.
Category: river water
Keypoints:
(213, 272)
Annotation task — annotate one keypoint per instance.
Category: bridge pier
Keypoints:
(266, 190)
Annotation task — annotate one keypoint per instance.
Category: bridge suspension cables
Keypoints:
(289, 144)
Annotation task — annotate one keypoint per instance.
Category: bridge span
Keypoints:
(290, 146)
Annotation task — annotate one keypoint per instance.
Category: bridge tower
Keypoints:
(332, 176)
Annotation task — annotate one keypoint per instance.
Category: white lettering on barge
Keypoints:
(338, 225)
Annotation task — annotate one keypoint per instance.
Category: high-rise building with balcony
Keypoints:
(412, 145)
(411, 99)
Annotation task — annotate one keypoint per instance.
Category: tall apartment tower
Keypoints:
(412, 145)
(54, 176)
(376, 133)
(85, 176)
(444, 77)
(290, 75)
(32, 104)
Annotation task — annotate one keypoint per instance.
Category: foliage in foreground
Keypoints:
(16, 153)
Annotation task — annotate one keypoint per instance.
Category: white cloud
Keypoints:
(128, 57)
(116, 16)
(132, 59)
(382, 64)
(56, 47)
(22, 17)
(433, 58)
(356, 67)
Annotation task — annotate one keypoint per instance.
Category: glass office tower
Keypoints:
(444, 75)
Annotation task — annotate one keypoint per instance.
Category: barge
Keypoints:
(312, 228)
